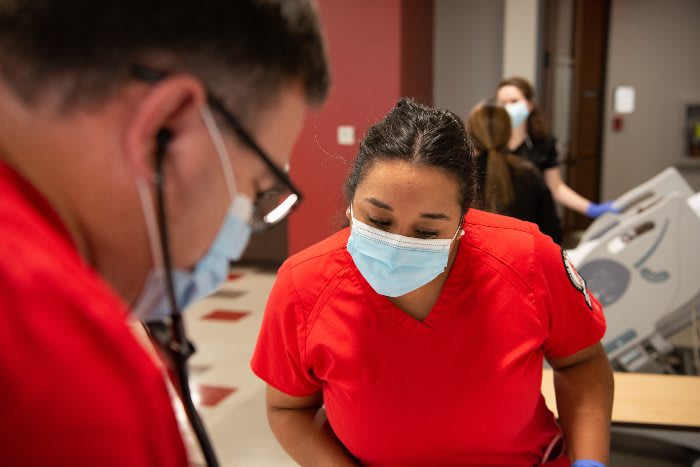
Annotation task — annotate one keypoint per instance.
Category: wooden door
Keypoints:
(575, 39)
(587, 103)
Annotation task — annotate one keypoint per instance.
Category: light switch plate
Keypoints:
(346, 135)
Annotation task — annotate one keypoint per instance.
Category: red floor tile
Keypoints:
(226, 315)
(210, 396)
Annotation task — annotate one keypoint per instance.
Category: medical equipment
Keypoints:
(645, 271)
(666, 182)
(643, 265)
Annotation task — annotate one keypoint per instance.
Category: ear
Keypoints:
(347, 214)
(174, 104)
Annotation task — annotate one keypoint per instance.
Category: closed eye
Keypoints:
(426, 234)
(382, 224)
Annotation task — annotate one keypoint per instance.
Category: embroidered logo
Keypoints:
(575, 278)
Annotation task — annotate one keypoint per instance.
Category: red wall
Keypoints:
(417, 50)
(369, 60)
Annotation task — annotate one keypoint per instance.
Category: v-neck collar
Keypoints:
(442, 308)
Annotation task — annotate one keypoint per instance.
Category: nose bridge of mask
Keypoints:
(402, 241)
(395, 250)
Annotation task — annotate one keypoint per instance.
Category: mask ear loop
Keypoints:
(221, 151)
(178, 348)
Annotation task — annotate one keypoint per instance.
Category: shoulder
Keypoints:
(51, 298)
(320, 251)
(504, 244)
(545, 143)
(480, 223)
(309, 272)
(521, 164)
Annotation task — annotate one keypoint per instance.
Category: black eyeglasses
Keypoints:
(270, 206)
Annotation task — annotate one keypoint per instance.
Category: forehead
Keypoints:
(509, 93)
(402, 184)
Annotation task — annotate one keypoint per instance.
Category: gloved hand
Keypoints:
(587, 463)
(594, 210)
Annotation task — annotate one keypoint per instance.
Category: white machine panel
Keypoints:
(645, 271)
(666, 182)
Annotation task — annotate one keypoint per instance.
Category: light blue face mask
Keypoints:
(211, 270)
(207, 275)
(518, 112)
(395, 265)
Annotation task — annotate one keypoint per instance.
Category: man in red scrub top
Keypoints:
(134, 139)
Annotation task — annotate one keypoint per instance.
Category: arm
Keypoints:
(584, 388)
(562, 193)
(300, 426)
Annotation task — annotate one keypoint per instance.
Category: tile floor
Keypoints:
(224, 328)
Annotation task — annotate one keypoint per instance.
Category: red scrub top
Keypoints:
(75, 386)
(460, 388)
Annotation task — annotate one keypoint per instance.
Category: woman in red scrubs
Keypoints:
(422, 328)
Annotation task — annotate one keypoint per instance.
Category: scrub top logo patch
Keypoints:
(575, 278)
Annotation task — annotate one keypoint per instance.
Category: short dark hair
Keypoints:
(420, 135)
(248, 49)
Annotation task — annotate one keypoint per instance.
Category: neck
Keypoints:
(39, 161)
(62, 158)
(517, 137)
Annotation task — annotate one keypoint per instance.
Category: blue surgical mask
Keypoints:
(518, 112)
(211, 270)
(207, 275)
(395, 265)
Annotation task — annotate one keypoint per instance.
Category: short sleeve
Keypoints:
(278, 358)
(548, 156)
(574, 317)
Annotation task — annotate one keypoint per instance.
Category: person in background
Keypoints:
(509, 184)
(135, 138)
(422, 328)
(531, 140)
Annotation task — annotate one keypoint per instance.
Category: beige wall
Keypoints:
(520, 33)
(468, 51)
(653, 46)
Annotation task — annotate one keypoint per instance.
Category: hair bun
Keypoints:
(404, 102)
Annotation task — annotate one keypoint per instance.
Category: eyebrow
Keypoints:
(434, 215)
(424, 215)
(379, 204)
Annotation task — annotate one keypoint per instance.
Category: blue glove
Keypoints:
(587, 463)
(594, 210)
